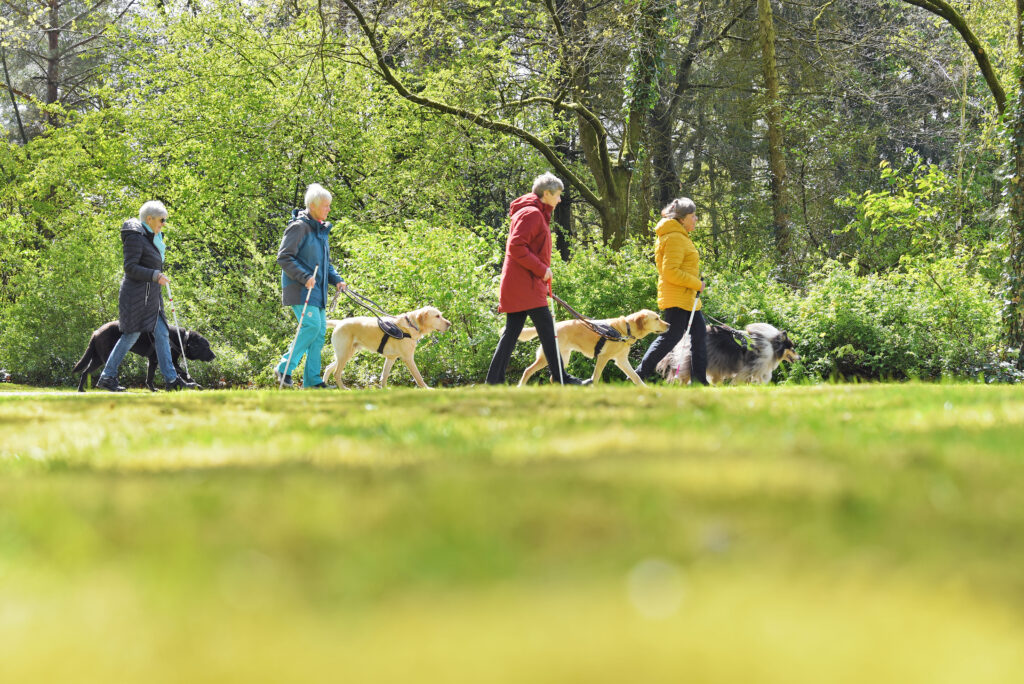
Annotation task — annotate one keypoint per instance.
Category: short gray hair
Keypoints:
(546, 181)
(679, 208)
(153, 208)
(317, 193)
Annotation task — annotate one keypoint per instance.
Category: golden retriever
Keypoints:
(574, 335)
(362, 332)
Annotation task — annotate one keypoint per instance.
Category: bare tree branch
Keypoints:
(478, 119)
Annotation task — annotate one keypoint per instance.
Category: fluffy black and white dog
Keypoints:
(749, 355)
(106, 336)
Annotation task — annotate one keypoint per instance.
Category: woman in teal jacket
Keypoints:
(304, 248)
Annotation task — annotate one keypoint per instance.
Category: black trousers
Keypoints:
(677, 320)
(541, 319)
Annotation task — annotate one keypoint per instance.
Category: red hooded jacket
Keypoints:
(527, 256)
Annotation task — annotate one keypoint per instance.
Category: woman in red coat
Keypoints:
(525, 278)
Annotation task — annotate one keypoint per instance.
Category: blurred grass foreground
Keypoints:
(870, 533)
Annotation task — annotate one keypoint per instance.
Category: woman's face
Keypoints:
(320, 210)
(155, 223)
(690, 222)
(551, 198)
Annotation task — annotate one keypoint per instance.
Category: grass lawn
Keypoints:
(858, 533)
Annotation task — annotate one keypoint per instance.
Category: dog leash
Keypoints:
(388, 327)
(741, 337)
(334, 302)
(605, 331)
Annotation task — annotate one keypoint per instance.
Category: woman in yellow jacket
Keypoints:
(678, 284)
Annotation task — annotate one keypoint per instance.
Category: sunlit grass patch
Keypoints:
(832, 533)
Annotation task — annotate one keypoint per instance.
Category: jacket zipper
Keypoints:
(147, 293)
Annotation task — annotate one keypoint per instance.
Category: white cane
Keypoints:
(298, 329)
(687, 334)
(695, 298)
(181, 346)
(558, 351)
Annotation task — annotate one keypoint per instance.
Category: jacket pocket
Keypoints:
(147, 294)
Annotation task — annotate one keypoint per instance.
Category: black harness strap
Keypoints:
(384, 340)
(601, 340)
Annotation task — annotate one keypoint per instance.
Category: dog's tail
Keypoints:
(675, 367)
(329, 371)
(87, 357)
(526, 334)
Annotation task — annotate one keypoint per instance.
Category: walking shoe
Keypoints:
(319, 385)
(568, 380)
(178, 384)
(287, 379)
(109, 384)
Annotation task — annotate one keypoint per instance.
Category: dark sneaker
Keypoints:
(568, 380)
(318, 385)
(287, 379)
(178, 384)
(109, 384)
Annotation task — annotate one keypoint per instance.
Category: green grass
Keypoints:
(809, 534)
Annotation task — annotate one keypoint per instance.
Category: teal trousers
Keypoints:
(309, 343)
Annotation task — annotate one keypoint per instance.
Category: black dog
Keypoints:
(107, 335)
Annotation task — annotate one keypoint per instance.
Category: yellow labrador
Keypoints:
(362, 332)
(574, 335)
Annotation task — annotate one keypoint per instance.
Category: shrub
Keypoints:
(928, 319)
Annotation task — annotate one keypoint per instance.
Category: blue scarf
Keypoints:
(158, 240)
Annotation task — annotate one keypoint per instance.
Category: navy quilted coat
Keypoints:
(140, 301)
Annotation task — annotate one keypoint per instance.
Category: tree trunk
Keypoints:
(562, 216)
(773, 115)
(667, 182)
(10, 89)
(53, 59)
(1014, 310)
(716, 229)
(649, 45)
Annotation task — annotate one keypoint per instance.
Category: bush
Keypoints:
(929, 319)
(65, 293)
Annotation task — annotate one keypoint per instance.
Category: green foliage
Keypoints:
(930, 318)
(67, 293)
(910, 216)
(226, 114)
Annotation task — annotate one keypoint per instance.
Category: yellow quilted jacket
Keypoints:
(678, 266)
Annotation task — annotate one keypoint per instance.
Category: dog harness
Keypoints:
(384, 339)
(601, 340)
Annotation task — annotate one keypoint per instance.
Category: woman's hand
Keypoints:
(162, 280)
(547, 276)
(342, 286)
(311, 283)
